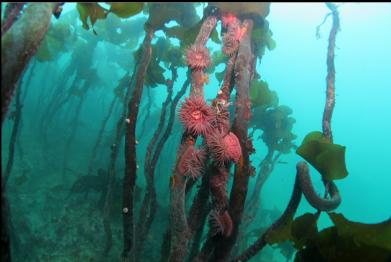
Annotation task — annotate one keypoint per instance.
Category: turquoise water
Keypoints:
(361, 121)
(53, 223)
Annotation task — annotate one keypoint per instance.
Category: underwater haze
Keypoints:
(190, 131)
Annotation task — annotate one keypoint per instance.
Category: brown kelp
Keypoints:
(303, 184)
(130, 144)
(19, 44)
(178, 223)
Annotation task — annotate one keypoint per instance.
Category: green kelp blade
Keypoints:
(304, 229)
(345, 241)
(330, 246)
(175, 57)
(50, 48)
(300, 231)
(43, 53)
(125, 10)
(261, 95)
(324, 156)
(155, 75)
(83, 14)
(280, 234)
(270, 42)
(315, 136)
(214, 36)
(253, 92)
(378, 235)
(332, 161)
(218, 58)
(92, 10)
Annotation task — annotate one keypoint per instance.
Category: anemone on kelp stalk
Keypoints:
(224, 147)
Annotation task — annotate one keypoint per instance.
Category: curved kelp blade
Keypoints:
(90, 10)
(322, 154)
(125, 10)
(304, 229)
(300, 231)
(369, 234)
(349, 241)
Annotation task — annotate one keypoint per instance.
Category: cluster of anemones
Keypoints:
(198, 57)
(224, 147)
(234, 35)
(192, 162)
(220, 223)
(197, 116)
(228, 19)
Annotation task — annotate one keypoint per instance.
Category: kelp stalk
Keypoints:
(330, 79)
(131, 166)
(227, 86)
(149, 204)
(289, 212)
(240, 126)
(147, 110)
(218, 175)
(74, 128)
(178, 223)
(23, 99)
(165, 249)
(100, 136)
(266, 168)
(11, 14)
(303, 185)
(198, 214)
(112, 164)
(5, 225)
(303, 182)
(14, 133)
(19, 44)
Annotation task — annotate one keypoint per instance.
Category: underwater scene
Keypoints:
(206, 131)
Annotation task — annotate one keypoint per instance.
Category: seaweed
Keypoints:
(261, 95)
(326, 157)
(345, 241)
(93, 11)
(57, 41)
(30, 30)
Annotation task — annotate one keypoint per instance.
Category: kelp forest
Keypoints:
(148, 131)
